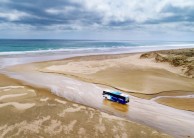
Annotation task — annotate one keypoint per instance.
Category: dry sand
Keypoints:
(128, 73)
(37, 113)
(180, 103)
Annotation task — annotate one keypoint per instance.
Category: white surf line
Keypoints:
(12, 95)
(178, 123)
(182, 96)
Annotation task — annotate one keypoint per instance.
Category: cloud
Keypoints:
(98, 15)
(13, 15)
(139, 11)
(64, 10)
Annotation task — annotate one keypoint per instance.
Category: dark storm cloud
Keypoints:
(38, 15)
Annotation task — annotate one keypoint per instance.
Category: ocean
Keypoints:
(10, 47)
(14, 52)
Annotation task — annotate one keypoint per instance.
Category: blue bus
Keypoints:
(116, 96)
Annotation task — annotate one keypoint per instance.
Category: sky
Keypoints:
(171, 20)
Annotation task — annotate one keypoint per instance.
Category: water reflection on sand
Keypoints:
(114, 106)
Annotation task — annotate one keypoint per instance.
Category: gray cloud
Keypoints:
(46, 13)
(97, 14)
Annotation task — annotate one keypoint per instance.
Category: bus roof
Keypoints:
(117, 93)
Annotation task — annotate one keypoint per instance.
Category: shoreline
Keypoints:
(33, 58)
(84, 66)
(123, 49)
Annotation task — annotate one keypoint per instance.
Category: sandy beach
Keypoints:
(143, 78)
(130, 73)
(32, 112)
(161, 97)
(97, 69)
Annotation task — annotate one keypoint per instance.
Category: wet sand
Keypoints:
(33, 112)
